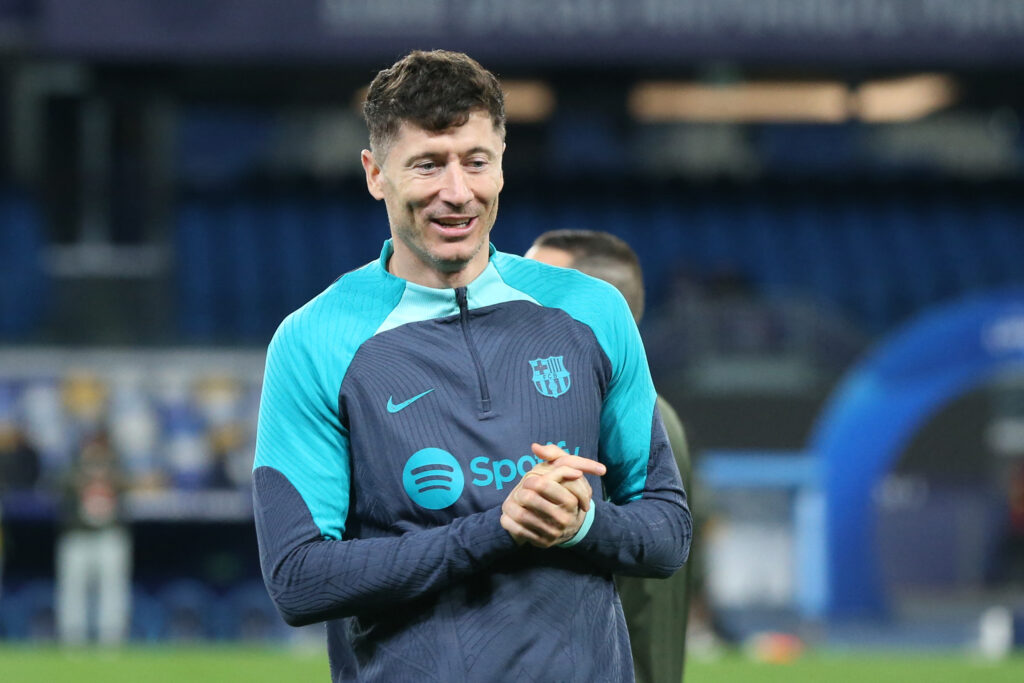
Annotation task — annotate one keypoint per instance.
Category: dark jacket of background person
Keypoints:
(92, 491)
(657, 609)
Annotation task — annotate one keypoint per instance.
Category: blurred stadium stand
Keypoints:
(874, 254)
(176, 177)
(25, 288)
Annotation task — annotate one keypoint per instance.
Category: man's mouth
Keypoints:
(454, 225)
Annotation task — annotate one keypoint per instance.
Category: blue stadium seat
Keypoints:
(290, 257)
(25, 291)
(220, 144)
(879, 256)
(28, 612)
(247, 284)
(246, 613)
(1002, 223)
(190, 609)
(195, 271)
(148, 621)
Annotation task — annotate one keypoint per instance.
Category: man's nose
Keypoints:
(455, 190)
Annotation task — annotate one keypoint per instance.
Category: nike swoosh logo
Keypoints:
(395, 407)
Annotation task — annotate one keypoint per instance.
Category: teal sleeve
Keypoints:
(626, 415)
(299, 433)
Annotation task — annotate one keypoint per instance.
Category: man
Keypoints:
(402, 492)
(656, 609)
(94, 549)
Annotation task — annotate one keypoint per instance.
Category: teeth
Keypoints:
(459, 224)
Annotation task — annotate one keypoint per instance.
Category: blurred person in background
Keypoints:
(94, 547)
(19, 461)
(395, 490)
(1010, 556)
(656, 609)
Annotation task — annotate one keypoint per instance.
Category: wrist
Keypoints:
(581, 532)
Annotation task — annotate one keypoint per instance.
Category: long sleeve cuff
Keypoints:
(588, 521)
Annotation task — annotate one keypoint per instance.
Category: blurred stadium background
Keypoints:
(827, 197)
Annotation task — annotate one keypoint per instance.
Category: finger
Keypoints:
(551, 453)
(581, 489)
(535, 531)
(526, 526)
(545, 469)
(516, 530)
(554, 506)
(563, 486)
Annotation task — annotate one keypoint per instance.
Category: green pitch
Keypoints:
(258, 665)
(169, 664)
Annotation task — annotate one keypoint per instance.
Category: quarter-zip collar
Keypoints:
(467, 333)
(419, 302)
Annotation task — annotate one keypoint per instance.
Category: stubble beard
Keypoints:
(413, 240)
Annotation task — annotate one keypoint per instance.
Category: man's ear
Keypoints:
(373, 174)
(501, 169)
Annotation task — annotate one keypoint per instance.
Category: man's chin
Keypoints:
(454, 260)
(449, 265)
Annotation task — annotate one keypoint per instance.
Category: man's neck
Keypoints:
(415, 271)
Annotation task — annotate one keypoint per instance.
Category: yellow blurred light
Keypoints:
(528, 101)
(904, 99)
(821, 101)
(900, 99)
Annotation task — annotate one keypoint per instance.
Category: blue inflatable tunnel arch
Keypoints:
(878, 408)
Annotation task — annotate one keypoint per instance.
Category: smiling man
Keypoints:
(441, 193)
(454, 453)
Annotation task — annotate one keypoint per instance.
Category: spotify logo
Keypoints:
(433, 478)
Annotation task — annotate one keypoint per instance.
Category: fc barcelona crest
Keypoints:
(550, 376)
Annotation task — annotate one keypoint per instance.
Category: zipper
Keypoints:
(485, 394)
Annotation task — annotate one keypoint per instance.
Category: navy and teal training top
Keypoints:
(394, 421)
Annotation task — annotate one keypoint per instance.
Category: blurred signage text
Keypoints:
(580, 31)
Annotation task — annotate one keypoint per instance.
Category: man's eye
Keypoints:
(477, 163)
(426, 166)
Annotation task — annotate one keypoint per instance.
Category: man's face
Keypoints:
(441, 192)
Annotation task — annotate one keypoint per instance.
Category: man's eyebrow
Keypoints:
(486, 150)
(438, 154)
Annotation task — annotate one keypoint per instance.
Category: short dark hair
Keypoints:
(434, 90)
(604, 256)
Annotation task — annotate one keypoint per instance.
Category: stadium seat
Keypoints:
(148, 620)
(195, 271)
(877, 256)
(190, 610)
(246, 284)
(24, 294)
(28, 613)
(246, 613)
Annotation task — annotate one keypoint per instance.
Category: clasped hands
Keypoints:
(550, 502)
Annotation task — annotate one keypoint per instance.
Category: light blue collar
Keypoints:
(426, 303)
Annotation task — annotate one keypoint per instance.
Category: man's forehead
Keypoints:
(478, 124)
